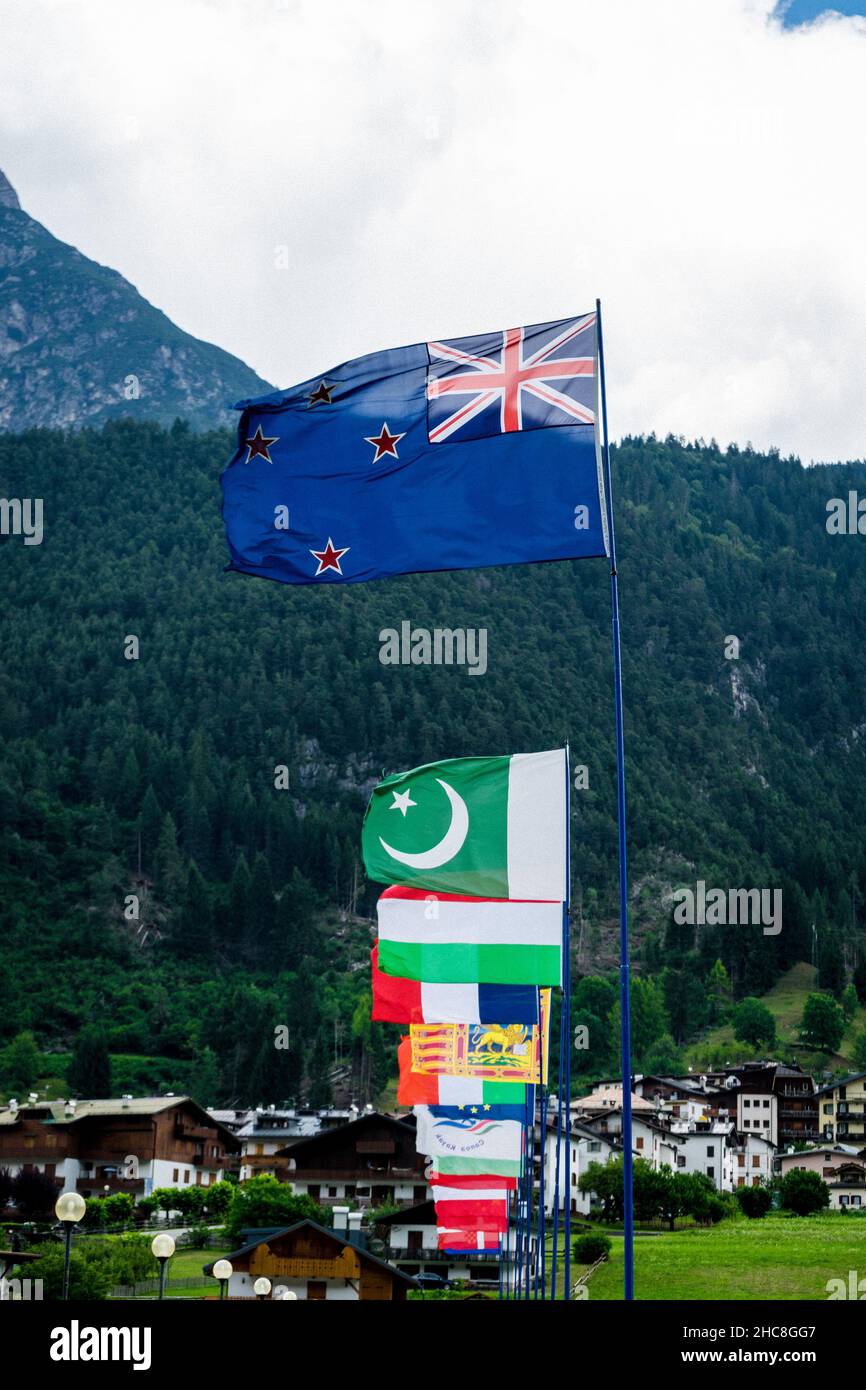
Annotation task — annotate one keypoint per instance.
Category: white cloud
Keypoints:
(443, 168)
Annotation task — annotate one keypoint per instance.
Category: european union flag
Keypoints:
(444, 455)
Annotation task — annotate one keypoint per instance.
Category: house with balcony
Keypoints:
(411, 1245)
(585, 1147)
(368, 1163)
(127, 1145)
(842, 1110)
(842, 1167)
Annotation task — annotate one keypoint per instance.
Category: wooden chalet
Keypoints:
(368, 1162)
(125, 1145)
(317, 1265)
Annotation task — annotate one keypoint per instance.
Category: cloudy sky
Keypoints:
(303, 181)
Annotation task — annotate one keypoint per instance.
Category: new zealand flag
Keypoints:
(454, 454)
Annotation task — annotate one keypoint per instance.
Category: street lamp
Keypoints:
(223, 1270)
(285, 1295)
(162, 1249)
(262, 1287)
(69, 1208)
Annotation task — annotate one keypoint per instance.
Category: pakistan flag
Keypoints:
(486, 827)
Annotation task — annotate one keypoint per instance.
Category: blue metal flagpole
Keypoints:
(566, 1014)
(624, 982)
(542, 1146)
(557, 1162)
(527, 1185)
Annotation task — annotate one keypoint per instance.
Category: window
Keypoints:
(175, 1175)
(681, 1160)
(332, 1191)
(741, 1160)
(710, 1172)
(741, 1182)
(419, 1193)
(856, 1201)
(756, 1182)
(746, 1103)
(710, 1151)
(186, 1175)
(594, 1146)
(756, 1161)
(766, 1105)
(638, 1143)
(766, 1124)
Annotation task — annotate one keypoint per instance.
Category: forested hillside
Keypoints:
(156, 776)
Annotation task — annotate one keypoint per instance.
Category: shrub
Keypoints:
(803, 1192)
(588, 1249)
(754, 1202)
(90, 1272)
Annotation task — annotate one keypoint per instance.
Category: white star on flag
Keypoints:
(402, 801)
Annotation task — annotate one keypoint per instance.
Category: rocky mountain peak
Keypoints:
(8, 196)
(79, 344)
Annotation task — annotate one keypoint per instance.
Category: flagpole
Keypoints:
(540, 1270)
(557, 1167)
(624, 982)
(566, 1012)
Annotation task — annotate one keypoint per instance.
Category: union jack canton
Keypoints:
(528, 378)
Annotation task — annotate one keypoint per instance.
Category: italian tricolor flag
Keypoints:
(416, 1088)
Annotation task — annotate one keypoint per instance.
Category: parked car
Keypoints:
(433, 1281)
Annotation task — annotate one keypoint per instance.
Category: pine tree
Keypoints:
(89, 1072)
(148, 826)
(20, 1064)
(204, 1078)
(168, 865)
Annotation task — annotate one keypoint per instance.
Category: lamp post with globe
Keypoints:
(261, 1288)
(162, 1249)
(69, 1208)
(223, 1270)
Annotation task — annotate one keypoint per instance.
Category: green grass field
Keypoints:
(187, 1264)
(781, 1257)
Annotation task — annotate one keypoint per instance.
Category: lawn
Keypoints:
(779, 1257)
(785, 1002)
(187, 1264)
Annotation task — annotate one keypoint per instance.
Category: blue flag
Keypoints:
(463, 1115)
(445, 455)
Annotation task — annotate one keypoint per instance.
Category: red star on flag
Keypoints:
(384, 442)
(258, 446)
(322, 393)
(329, 558)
